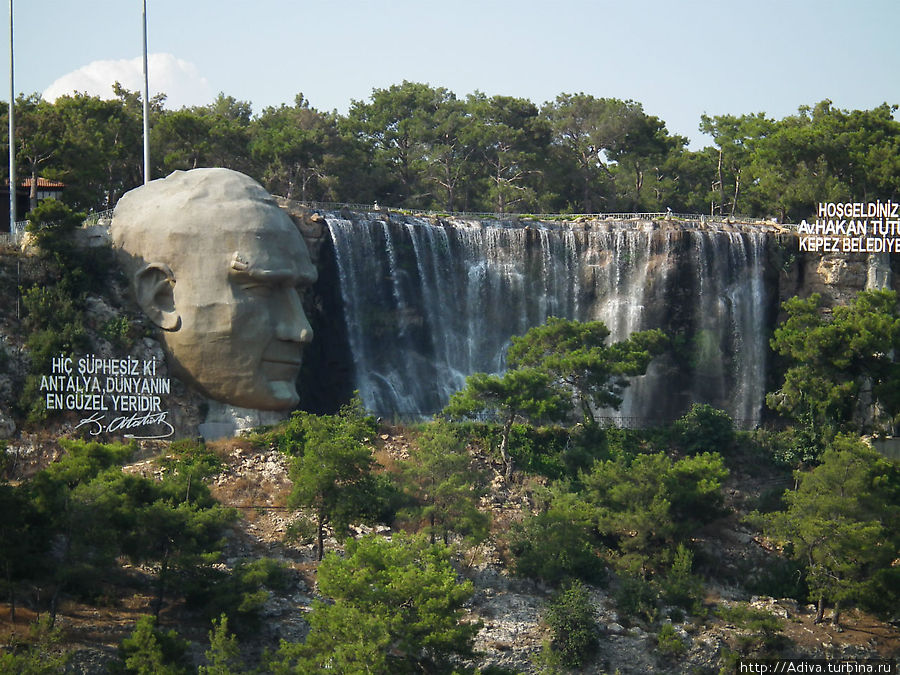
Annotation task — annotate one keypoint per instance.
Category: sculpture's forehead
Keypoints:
(240, 216)
(271, 250)
(264, 238)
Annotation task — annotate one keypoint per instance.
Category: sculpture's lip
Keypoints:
(281, 368)
(290, 362)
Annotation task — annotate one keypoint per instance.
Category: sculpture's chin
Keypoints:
(278, 395)
(263, 386)
(273, 395)
(284, 395)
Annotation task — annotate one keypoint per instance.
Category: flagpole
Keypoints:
(12, 127)
(146, 103)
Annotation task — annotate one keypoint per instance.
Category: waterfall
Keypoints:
(428, 302)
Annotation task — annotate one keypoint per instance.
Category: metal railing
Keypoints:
(617, 421)
(97, 216)
(15, 237)
(683, 218)
(631, 422)
(104, 217)
(10, 239)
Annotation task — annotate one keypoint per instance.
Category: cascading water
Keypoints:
(429, 302)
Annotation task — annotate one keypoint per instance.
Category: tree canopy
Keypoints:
(841, 362)
(840, 523)
(444, 485)
(551, 368)
(577, 358)
(396, 608)
(415, 145)
(332, 467)
(522, 393)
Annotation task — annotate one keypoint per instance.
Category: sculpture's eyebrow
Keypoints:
(242, 268)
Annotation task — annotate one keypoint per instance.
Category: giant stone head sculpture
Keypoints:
(217, 265)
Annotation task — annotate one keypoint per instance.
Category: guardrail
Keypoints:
(10, 239)
(485, 215)
(618, 421)
(98, 217)
(15, 237)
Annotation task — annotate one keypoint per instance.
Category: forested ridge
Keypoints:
(416, 146)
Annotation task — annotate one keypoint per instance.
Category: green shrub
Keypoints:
(680, 587)
(764, 629)
(539, 450)
(800, 445)
(54, 318)
(728, 661)
(573, 623)
(241, 593)
(668, 641)
(636, 598)
(396, 607)
(80, 270)
(150, 651)
(301, 531)
(535, 450)
(52, 222)
(548, 662)
(40, 653)
(645, 506)
(704, 429)
(629, 442)
(554, 546)
(444, 487)
(223, 655)
(119, 331)
(190, 458)
(587, 443)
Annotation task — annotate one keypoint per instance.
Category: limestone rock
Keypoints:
(227, 421)
(7, 425)
(312, 225)
(92, 236)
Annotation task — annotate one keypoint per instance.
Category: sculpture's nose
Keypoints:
(291, 322)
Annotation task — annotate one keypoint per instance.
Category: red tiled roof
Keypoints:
(43, 183)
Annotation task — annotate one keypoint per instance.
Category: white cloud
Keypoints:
(179, 80)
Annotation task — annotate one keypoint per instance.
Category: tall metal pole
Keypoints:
(12, 127)
(146, 104)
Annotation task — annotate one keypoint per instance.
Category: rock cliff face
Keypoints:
(838, 278)
(424, 302)
(326, 379)
(406, 306)
(427, 302)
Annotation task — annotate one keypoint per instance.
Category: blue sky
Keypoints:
(679, 59)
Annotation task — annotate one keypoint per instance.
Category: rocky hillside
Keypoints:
(255, 480)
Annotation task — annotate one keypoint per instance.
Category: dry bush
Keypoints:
(240, 492)
(387, 463)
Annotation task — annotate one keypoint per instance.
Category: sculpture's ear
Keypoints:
(154, 287)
